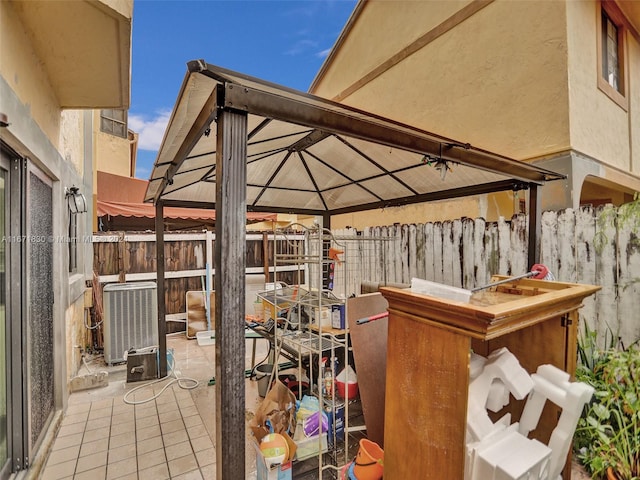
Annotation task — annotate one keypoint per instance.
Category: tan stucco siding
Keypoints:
(498, 80)
(72, 138)
(24, 72)
(110, 151)
(381, 30)
(634, 103)
(600, 127)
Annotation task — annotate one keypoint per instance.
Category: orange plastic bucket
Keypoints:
(369, 463)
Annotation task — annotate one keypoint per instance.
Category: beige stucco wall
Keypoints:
(110, 151)
(498, 80)
(72, 137)
(599, 126)
(25, 74)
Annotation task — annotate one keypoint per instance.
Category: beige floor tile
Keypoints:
(201, 443)
(76, 418)
(192, 421)
(175, 437)
(151, 459)
(119, 453)
(89, 448)
(182, 465)
(192, 475)
(206, 457)
(61, 470)
(94, 435)
(124, 467)
(101, 423)
(188, 411)
(121, 439)
(166, 397)
(145, 411)
(197, 431)
(71, 429)
(172, 426)
(78, 407)
(67, 441)
(209, 472)
(132, 476)
(147, 432)
(63, 455)
(99, 413)
(178, 450)
(149, 445)
(123, 428)
(170, 416)
(149, 421)
(100, 404)
(159, 472)
(169, 406)
(120, 407)
(123, 418)
(92, 461)
(93, 474)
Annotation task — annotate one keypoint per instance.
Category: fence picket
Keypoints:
(586, 262)
(629, 279)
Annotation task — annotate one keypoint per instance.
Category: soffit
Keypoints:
(307, 154)
(85, 47)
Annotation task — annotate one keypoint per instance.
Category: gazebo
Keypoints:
(240, 144)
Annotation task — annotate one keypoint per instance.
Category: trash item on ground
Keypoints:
(274, 449)
(276, 413)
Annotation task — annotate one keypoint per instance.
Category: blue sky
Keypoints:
(280, 41)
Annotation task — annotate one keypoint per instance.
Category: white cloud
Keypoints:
(151, 131)
(323, 53)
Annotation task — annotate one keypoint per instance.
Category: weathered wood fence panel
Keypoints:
(599, 246)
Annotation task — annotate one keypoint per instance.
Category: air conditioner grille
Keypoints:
(130, 318)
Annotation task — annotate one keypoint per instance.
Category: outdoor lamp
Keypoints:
(75, 200)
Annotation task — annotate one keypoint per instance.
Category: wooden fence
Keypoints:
(598, 246)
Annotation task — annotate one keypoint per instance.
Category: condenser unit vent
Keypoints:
(130, 318)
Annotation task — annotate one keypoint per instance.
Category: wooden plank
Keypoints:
(448, 253)
(398, 252)
(492, 248)
(566, 246)
(482, 275)
(456, 253)
(438, 253)
(429, 268)
(607, 272)
(629, 279)
(519, 245)
(369, 342)
(468, 254)
(549, 241)
(504, 246)
(420, 252)
(586, 262)
(412, 270)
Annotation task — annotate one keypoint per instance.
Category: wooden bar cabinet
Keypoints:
(428, 352)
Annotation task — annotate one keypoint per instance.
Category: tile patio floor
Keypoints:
(172, 436)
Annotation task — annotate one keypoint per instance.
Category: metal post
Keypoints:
(230, 264)
(162, 324)
(535, 220)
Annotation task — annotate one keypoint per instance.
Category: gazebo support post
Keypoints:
(162, 324)
(230, 265)
(535, 224)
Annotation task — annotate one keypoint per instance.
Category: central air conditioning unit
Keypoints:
(130, 318)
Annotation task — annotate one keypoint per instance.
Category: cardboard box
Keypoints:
(321, 316)
(283, 471)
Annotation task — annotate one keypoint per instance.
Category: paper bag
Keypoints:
(277, 412)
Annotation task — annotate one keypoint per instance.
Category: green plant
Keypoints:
(608, 434)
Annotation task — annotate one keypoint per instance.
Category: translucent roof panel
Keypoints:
(305, 153)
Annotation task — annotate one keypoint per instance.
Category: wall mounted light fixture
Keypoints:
(75, 200)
